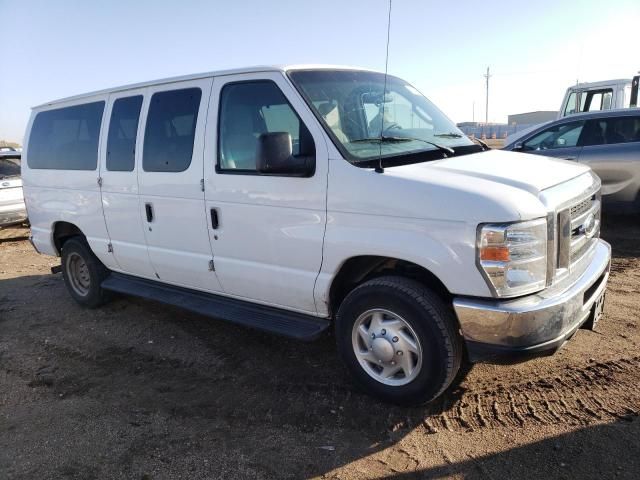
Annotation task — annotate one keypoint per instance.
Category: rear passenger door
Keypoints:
(119, 166)
(170, 184)
(612, 150)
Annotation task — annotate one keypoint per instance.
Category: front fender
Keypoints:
(444, 248)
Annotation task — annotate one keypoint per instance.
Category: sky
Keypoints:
(535, 48)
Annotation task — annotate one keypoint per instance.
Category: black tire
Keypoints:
(433, 323)
(76, 249)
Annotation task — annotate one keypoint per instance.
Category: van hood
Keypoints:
(532, 173)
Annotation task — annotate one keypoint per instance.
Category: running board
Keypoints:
(268, 319)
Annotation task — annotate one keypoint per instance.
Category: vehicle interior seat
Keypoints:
(239, 138)
(331, 114)
(592, 133)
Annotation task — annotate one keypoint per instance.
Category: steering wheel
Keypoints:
(392, 126)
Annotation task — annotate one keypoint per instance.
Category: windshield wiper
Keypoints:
(448, 135)
(385, 139)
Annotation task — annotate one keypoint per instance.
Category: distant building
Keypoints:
(532, 118)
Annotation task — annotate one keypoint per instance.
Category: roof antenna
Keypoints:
(379, 168)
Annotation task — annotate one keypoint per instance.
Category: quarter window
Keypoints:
(170, 130)
(248, 110)
(66, 138)
(123, 128)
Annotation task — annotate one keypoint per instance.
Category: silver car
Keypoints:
(12, 209)
(607, 141)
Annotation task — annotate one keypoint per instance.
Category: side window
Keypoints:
(66, 138)
(558, 136)
(248, 110)
(170, 130)
(571, 104)
(123, 128)
(596, 100)
(618, 130)
(9, 167)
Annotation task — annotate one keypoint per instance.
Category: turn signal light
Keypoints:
(495, 254)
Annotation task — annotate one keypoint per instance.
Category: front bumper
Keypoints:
(536, 323)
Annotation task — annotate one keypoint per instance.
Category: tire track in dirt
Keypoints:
(577, 396)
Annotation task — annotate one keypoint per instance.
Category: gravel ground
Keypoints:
(144, 391)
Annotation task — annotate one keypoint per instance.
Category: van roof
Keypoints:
(600, 83)
(195, 76)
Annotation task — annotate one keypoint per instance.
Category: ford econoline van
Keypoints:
(296, 200)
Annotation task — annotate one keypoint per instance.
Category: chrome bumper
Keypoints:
(538, 322)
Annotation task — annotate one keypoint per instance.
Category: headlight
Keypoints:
(513, 257)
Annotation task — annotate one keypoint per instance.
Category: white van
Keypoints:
(298, 199)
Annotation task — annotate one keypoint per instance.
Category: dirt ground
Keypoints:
(140, 390)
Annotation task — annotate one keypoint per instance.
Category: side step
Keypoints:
(268, 319)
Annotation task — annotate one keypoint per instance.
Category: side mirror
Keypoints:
(275, 156)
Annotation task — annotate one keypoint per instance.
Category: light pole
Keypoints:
(486, 111)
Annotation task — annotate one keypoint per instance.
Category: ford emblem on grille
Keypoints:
(588, 225)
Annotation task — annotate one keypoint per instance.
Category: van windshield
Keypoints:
(368, 122)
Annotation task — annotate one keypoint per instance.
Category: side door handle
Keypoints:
(569, 158)
(148, 208)
(214, 218)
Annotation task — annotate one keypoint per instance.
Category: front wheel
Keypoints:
(399, 340)
(83, 273)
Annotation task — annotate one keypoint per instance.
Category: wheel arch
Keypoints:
(358, 269)
(61, 231)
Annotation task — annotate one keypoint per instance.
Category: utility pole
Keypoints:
(486, 111)
(473, 111)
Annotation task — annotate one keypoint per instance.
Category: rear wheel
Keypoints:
(399, 340)
(83, 273)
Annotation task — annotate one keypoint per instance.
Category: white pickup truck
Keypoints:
(299, 199)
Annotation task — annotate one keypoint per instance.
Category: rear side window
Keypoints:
(123, 127)
(66, 138)
(612, 130)
(170, 130)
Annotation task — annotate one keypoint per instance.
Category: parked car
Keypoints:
(608, 142)
(298, 199)
(12, 209)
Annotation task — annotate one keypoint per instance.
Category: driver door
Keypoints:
(266, 230)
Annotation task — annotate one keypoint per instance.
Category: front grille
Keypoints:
(578, 230)
(582, 207)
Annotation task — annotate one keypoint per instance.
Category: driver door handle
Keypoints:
(214, 218)
(148, 208)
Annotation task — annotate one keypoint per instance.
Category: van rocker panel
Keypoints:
(260, 317)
